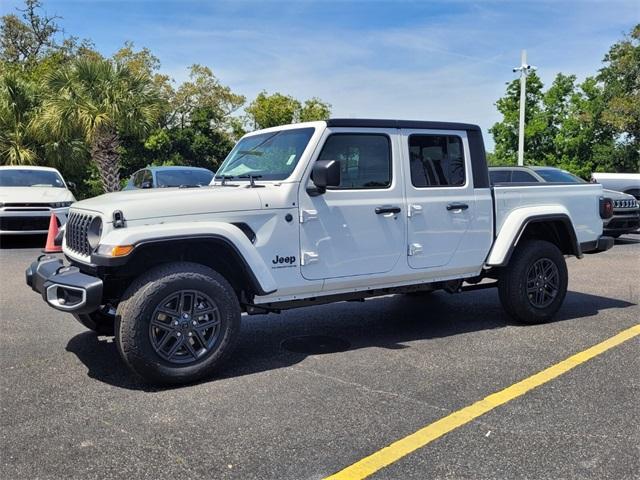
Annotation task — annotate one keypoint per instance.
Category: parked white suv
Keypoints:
(307, 214)
(628, 183)
(28, 195)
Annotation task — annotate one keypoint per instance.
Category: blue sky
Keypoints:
(405, 59)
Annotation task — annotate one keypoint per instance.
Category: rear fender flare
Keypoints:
(517, 222)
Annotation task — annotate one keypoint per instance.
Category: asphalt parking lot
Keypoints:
(70, 408)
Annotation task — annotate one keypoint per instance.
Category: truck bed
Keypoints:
(580, 201)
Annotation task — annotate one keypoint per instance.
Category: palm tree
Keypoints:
(102, 101)
(18, 143)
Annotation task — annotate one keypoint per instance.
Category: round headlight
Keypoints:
(94, 232)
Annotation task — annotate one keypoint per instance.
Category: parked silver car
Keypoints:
(626, 210)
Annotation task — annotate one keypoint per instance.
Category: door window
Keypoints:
(137, 178)
(147, 178)
(436, 161)
(365, 159)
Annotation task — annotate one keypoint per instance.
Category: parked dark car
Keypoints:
(626, 210)
(165, 177)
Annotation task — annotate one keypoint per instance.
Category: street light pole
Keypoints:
(524, 70)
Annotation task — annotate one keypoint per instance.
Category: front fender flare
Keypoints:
(142, 235)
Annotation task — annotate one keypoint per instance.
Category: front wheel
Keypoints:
(534, 284)
(177, 323)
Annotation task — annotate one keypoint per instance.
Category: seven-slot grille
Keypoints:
(625, 203)
(76, 232)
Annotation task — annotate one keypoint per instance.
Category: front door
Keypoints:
(440, 195)
(358, 228)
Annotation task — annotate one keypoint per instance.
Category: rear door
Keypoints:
(440, 196)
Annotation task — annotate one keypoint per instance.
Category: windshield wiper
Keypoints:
(251, 178)
(224, 179)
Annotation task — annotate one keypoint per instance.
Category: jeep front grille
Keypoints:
(76, 233)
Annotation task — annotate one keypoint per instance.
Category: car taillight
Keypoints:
(606, 208)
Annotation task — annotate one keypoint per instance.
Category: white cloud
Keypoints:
(442, 61)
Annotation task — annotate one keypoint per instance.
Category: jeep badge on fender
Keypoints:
(288, 260)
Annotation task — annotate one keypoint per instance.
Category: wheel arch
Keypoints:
(214, 251)
(556, 228)
(222, 246)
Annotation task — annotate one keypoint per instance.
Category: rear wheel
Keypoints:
(177, 323)
(534, 284)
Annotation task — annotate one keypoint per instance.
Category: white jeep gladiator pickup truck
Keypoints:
(308, 214)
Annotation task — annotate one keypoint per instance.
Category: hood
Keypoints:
(165, 202)
(614, 195)
(35, 195)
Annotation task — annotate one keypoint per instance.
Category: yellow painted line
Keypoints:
(394, 452)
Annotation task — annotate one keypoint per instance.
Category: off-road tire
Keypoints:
(140, 300)
(512, 284)
(99, 322)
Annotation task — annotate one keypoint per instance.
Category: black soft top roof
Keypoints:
(386, 123)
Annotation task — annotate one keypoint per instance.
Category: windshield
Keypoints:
(268, 156)
(177, 178)
(30, 178)
(553, 175)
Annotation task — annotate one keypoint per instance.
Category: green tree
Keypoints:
(620, 79)
(277, 109)
(505, 133)
(18, 142)
(26, 39)
(314, 109)
(101, 101)
(272, 110)
(593, 126)
(203, 91)
(198, 126)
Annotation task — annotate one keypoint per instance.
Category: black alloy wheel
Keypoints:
(184, 327)
(542, 283)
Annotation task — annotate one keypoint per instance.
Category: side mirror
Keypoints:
(325, 173)
(146, 184)
(71, 185)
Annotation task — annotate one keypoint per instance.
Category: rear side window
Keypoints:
(436, 161)
(365, 159)
(499, 176)
(520, 176)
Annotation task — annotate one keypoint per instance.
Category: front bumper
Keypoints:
(63, 287)
(622, 222)
(25, 221)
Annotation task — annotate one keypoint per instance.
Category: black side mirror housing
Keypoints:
(146, 184)
(72, 185)
(325, 173)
